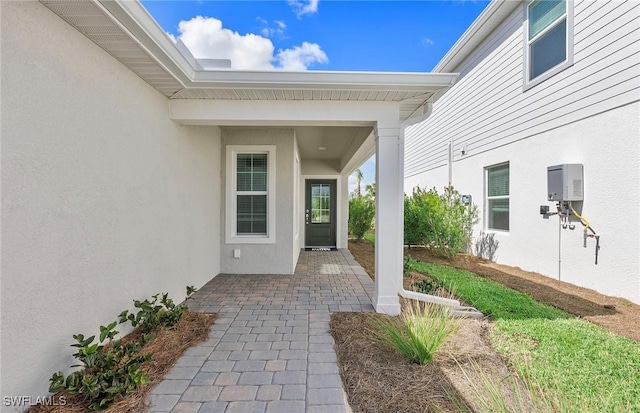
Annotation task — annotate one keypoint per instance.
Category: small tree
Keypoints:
(359, 177)
(361, 214)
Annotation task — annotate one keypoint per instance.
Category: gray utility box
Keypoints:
(565, 182)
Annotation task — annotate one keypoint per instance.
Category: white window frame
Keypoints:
(231, 195)
(488, 198)
(528, 83)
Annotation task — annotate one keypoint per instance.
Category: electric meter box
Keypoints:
(565, 182)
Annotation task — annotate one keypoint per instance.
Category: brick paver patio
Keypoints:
(270, 349)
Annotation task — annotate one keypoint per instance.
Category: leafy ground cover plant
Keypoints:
(109, 367)
(153, 313)
(428, 286)
(419, 331)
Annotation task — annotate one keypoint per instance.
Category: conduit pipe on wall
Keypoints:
(456, 309)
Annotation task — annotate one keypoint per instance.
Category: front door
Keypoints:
(320, 213)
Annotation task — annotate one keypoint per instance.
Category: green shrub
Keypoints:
(108, 370)
(153, 314)
(416, 210)
(419, 331)
(110, 367)
(441, 223)
(361, 213)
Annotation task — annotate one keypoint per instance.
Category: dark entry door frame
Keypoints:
(320, 212)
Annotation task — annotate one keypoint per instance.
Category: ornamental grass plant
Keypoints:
(418, 332)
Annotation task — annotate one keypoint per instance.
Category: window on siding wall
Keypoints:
(250, 194)
(497, 205)
(548, 38)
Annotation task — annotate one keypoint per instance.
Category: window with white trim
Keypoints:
(548, 39)
(497, 201)
(250, 213)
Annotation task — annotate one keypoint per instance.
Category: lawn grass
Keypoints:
(586, 367)
(591, 368)
(488, 296)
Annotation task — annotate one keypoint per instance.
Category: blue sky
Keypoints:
(395, 36)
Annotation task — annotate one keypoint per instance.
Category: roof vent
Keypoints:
(209, 64)
(202, 64)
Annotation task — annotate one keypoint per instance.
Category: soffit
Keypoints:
(92, 21)
(127, 32)
(324, 142)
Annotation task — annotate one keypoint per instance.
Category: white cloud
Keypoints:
(300, 57)
(302, 7)
(428, 42)
(206, 38)
(353, 183)
(277, 29)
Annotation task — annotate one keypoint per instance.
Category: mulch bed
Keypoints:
(167, 346)
(378, 379)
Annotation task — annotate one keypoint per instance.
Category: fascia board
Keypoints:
(379, 81)
(486, 23)
(134, 19)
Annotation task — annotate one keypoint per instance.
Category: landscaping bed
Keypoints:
(569, 364)
(615, 314)
(166, 347)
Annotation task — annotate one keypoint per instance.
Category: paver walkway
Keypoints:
(270, 349)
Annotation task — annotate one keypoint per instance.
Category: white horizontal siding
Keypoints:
(488, 108)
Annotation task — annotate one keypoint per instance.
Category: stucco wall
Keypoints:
(607, 145)
(104, 200)
(265, 258)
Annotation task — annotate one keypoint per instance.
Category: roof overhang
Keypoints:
(129, 33)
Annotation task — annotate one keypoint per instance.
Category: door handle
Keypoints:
(306, 217)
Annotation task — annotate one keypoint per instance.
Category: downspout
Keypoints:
(450, 161)
(455, 307)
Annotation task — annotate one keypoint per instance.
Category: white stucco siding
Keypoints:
(104, 199)
(488, 107)
(269, 258)
(611, 203)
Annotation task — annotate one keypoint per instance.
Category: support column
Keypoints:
(389, 217)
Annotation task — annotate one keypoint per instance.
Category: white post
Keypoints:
(389, 217)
